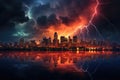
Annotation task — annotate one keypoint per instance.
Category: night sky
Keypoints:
(30, 18)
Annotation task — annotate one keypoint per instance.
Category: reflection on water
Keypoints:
(57, 60)
(79, 62)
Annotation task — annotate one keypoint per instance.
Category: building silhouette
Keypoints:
(64, 43)
(75, 39)
(21, 42)
(55, 40)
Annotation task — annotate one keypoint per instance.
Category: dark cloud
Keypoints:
(66, 20)
(64, 11)
(28, 2)
(42, 21)
(45, 22)
(11, 11)
(41, 10)
(55, 12)
(75, 8)
(52, 20)
(108, 20)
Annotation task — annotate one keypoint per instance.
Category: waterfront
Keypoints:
(59, 65)
(62, 44)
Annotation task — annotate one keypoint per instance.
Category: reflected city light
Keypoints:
(56, 60)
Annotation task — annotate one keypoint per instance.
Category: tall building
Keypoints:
(27, 44)
(63, 39)
(33, 43)
(75, 39)
(45, 42)
(70, 40)
(21, 42)
(55, 35)
(55, 40)
(49, 41)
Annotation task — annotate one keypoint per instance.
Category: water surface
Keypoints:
(59, 65)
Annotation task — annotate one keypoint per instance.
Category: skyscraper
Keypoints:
(63, 39)
(75, 39)
(55, 36)
(21, 42)
(55, 40)
(70, 40)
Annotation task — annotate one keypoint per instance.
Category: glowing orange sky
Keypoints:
(81, 22)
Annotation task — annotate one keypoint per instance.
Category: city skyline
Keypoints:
(59, 39)
(62, 44)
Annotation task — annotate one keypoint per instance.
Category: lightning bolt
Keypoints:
(90, 22)
(95, 12)
(28, 12)
(92, 18)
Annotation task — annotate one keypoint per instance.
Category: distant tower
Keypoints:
(55, 40)
(33, 43)
(49, 41)
(55, 36)
(63, 39)
(45, 42)
(70, 40)
(21, 42)
(75, 39)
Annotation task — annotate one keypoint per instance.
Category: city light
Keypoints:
(62, 44)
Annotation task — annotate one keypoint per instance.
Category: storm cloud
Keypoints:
(11, 11)
(31, 18)
(65, 11)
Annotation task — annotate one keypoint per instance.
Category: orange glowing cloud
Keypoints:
(82, 21)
